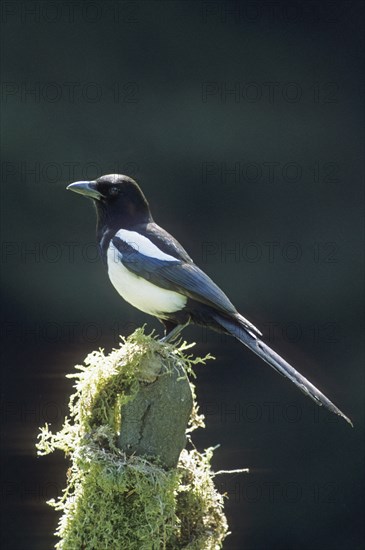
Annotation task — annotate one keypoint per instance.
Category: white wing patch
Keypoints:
(143, 245)
(136, 290)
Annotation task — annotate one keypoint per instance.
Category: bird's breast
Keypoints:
(138, 291)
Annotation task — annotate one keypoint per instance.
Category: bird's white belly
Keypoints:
(141, 293)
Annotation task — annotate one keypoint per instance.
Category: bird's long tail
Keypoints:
(278, 363)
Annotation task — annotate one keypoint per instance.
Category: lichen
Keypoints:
(115, 501)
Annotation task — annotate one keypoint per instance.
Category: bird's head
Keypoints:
(118, 199)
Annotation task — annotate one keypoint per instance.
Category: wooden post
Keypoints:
(136, 487)
(154, 423)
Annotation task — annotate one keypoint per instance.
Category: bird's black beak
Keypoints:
(87, 188)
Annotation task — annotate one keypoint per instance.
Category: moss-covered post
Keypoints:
(131, 484)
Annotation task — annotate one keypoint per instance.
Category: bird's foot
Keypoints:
(173, 334)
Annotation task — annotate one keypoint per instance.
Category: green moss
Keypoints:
(120, 502)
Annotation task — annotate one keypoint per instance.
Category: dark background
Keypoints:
(243, 124)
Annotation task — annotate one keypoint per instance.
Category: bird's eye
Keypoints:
(113, 191)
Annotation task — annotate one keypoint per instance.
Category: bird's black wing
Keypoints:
(179, 276)
(163, 240)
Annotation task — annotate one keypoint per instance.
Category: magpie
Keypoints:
(153, 272)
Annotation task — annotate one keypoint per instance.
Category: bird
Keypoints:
(152, 271)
